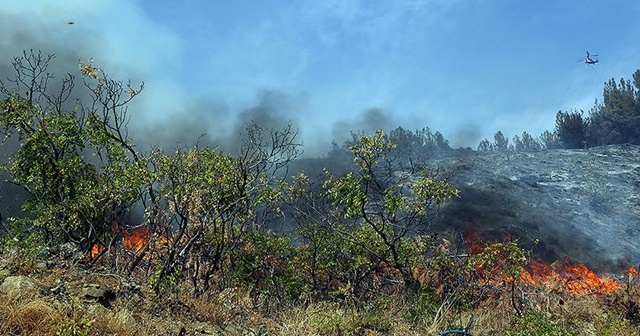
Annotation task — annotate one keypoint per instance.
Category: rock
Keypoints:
(94, 292)
(16, 285)
(125, 317)
(67, 251)
(41, 266)
(60, 288)
(177, 328)
(130, 286)
(96, 310)
(203, 328)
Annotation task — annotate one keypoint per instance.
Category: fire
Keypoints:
(572, 278)
(632, 272)
(137, 239)
(95, 250)
(472, 239)
(575, 278)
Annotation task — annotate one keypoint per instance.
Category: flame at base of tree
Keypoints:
(135, 240)
(95, 250)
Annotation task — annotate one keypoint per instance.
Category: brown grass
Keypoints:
(235, 311)
(26, 316)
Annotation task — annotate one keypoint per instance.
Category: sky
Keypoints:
(466, 68)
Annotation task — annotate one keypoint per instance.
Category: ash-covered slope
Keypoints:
(576, 205)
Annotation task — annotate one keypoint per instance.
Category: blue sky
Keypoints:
(467, 68)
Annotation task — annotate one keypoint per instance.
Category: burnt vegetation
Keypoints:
(359, 238)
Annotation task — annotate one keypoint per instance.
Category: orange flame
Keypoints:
(472, 239)
(632, 272)
(137, 239)
(572, 278)
(95, 250)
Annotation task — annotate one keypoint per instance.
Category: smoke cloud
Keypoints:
(466, 136)
(367, 121)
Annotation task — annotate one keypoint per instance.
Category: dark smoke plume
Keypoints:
(366, 122)
(195, 119)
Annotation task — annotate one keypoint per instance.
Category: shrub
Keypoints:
(534, 324)
(271, 266)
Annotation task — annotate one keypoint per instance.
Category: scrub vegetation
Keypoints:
(201, 258)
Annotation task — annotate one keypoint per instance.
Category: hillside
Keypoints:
(580, 205)
(571, 206)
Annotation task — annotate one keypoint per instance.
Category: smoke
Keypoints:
(273, 110)
(124, 42)
(163, 115)
(367, 121)
(201, 120)
(466, 136)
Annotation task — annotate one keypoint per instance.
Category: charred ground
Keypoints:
(579, 205)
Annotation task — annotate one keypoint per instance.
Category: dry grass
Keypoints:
(235, 311)
(26, 316)
(38, 315)
(332, 319)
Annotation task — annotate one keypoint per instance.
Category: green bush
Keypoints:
(535, 324)
(21, 254)
(71, 159)
(272, 267)
(424, 305)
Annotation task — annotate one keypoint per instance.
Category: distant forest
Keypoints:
(613, 120)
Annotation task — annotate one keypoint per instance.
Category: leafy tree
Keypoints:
(529, 143)
(517, 143)
(571, 129)
(500, 143)
(273, 268)
(339, 266)
(616, 119)
(485, 146)
(549, 140)
(74, 160)
(525, 142)
(421, 143)
(388, 200)
(209, 202)
(440, 143)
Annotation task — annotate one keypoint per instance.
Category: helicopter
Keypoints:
(588, 60)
